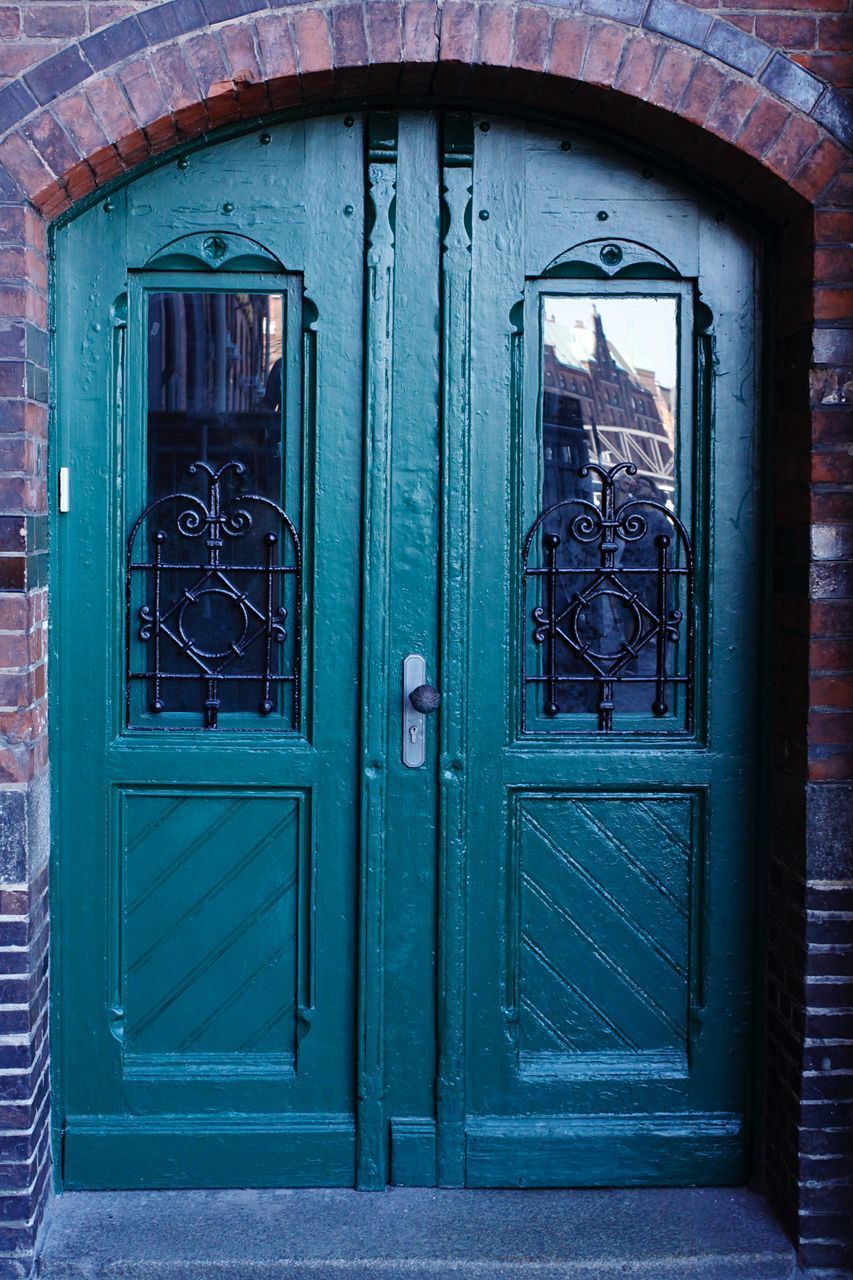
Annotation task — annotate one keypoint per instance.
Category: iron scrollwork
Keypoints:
(218, 618)
(605, 614)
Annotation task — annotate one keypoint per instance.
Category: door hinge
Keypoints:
(64, 487)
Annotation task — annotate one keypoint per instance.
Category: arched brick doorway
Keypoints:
(747, 123)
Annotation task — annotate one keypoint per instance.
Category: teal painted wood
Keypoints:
(375, 658)
(411, 871)
(207, 1030)
(457, 180)
(526, 963)
(609, 879)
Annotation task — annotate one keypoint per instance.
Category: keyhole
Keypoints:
(413, 733)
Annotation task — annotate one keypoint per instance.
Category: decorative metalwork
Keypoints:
(604, 615)
(202, 620)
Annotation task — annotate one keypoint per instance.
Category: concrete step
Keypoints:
(416, 1234)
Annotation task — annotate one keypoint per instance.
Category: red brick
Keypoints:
(21, 494)
(732, 107)
(420, 39)
(826, 6)
(75, 116)
(242, 60)
(702, 92)
(835, 34)
(532, 39)
(831, 226)
(10, 22)
(25, 166)
(55, 20)
(831, 765)
(830, 727)
(113, 112)
(637, 66)
(458, 32)
(52, 143)
(384, 31)
(786, 31)
(603, 51)
(143, 91)
(204, 57)
(833, 654)
(818, 168)
(349, 43)
(19, 54)
(13, 612)
(835, 68)
(833, 304)
(762, 127)
(745, 21)
(833, 468)
(568, 45)
(313, 44)
(672, 77)
(349, 35)
(839, 192)
(796, 140)
(278, 59)
(834, 265)
(180, 88)
(495, 35)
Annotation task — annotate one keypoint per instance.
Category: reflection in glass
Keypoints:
(609, 391)
(609, 397)
(214, 386)
(222, 610)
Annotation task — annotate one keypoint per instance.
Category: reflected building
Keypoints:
(214, 384)
(598, 407)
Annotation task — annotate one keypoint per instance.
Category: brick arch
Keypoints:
(749, 117)
(661, 73)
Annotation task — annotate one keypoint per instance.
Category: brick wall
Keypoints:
(712, 85)
(816, 33)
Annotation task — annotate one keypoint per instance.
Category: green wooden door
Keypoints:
(610, 741)
(337, 395)
(210, 314)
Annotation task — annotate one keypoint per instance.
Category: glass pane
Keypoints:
(608, 546)
(214, 387)
(219, 588)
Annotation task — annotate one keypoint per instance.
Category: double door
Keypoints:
(354, 407)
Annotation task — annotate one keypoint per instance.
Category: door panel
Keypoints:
(209, 844)
(610, 762)
(337, 393)
(603, 910)
(202, 987)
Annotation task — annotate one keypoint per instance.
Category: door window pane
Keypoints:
(607, 564)
(214, 566)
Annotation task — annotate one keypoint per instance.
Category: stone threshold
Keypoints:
(416, 1234)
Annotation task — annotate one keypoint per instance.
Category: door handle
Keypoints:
(425, 699)
(419, 700)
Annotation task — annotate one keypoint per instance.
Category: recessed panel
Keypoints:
(603, 928)
(210, 927)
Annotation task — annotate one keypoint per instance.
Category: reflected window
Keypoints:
(607, 561)
(214, 559)
(214, 386)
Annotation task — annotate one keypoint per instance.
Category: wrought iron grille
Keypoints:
(245, 594)
(609, 589)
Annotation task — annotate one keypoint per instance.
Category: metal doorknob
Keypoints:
(425, 699)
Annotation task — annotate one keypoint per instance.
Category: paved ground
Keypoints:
(414, 1234)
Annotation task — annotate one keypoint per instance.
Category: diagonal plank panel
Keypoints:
(210, 923)
(604, 904)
